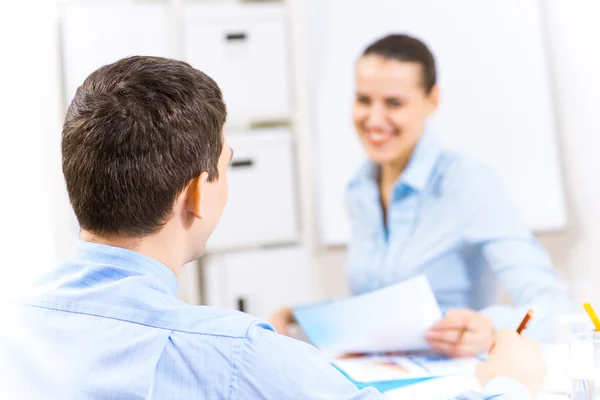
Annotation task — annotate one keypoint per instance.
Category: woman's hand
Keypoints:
(461, 333)
(281, 319)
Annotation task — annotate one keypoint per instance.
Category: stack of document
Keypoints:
(390, 320)
(391, 372)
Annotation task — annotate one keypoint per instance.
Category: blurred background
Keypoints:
(520, 86)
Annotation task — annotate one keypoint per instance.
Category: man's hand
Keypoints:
(514, 356)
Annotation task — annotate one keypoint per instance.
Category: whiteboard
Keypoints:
(496, 103)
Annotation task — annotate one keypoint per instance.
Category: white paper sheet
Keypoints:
(394, 318)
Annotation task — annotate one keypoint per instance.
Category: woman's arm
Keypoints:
(518, 261)
(523, 267)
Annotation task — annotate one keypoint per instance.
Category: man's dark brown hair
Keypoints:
(136, 133)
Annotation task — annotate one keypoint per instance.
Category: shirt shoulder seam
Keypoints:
(189, 332)
(237, 366)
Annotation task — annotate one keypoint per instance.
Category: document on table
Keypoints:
(391, 319)
(396, 368)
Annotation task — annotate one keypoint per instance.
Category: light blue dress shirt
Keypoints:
(107, 325)
(450, 219)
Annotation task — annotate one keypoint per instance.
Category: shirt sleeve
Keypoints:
(517, 260)
(501, 388)
(508, 388)
(278, 367)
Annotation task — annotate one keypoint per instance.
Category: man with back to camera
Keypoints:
(145, 165)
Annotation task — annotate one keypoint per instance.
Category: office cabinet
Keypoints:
(262, 205)
(260, 281)
(243, 47)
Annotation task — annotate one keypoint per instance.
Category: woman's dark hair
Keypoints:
(407, 49)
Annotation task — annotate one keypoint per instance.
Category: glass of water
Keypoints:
(584, 366)
(565, 326)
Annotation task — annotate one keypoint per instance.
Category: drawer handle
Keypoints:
(236, 36)
(242, 163)
(241, 304)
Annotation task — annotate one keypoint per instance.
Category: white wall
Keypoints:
(573, 45)
(30, 115)
(573, 36)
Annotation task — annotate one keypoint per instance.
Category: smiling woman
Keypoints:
(416, 208)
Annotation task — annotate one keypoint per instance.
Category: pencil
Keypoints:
(590, 311)
(525, 321)
(521, 327)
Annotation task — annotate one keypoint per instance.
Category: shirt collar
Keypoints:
(417, 172)
(422, 163)
(127, 259)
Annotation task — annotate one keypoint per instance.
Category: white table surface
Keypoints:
(555, 387)
(445, 388)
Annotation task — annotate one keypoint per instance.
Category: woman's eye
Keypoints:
(363, 100)
(393, 103)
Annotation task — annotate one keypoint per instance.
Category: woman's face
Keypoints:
(390, 107)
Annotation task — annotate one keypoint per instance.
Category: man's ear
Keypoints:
(196, 190)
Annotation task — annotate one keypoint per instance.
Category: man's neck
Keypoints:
(154, 246)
